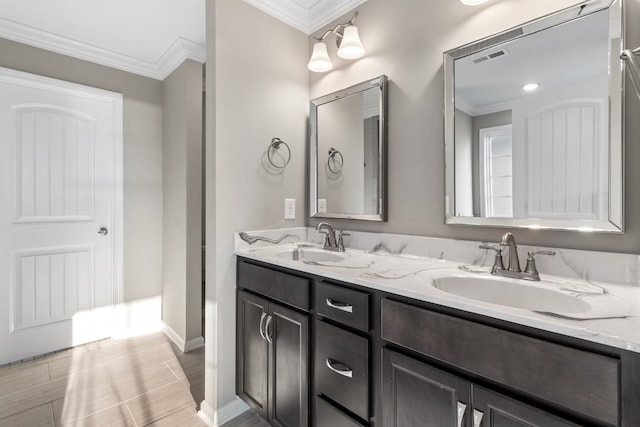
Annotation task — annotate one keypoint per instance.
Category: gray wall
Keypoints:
(182, 201)
(142, 155)
(257, 88)
(405, 39)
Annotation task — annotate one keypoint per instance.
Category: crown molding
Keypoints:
(323, 13)
(180, 50)
(302, 19)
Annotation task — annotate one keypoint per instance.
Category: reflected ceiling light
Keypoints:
(529, 87)
(349, 46)
(473, 2)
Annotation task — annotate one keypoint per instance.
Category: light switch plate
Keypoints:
(322, 205)
(289, 208)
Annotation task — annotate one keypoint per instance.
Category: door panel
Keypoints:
(502, 411)
(289, 371)
(58, 186)
(416, 394)
(252, 352)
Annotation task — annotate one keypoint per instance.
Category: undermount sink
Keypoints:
(511, 293)
(310, 255)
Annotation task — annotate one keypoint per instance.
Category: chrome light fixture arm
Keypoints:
(338, 30)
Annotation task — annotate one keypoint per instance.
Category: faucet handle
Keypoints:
(532, 253)
(341, 233)
(531, 262)
(497, 262)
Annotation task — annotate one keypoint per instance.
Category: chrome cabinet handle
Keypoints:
(345, 372)
(264, 315)
(461, 410)
(340, 305)
(477, 418)
(266, 330)
(103, 231)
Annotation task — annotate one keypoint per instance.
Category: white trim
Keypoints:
(306, 20)
(228, 412)
(183, 346)
(322, 13)
(180, 50)
(207, 413)
(172, 335)
(192, 344)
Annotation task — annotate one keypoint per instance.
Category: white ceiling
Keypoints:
(554, 58)
(146, 37)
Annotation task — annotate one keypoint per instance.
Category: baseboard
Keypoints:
(183, 346)
(207, 414)
(192, 344)
(172, 335)
(225, 414)
(229, 411)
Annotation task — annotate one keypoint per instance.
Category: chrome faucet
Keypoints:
(331, 242)
(514, 261)
(513, 268)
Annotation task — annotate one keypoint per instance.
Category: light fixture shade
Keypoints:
(350, 46)
(473, 2)
(320, 61)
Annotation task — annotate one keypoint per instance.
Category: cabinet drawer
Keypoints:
(328, 415)
(280, 286)
(580, 381)
(343, 305)
(342, 368)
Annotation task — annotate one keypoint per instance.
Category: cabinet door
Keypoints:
(416, 394)
(501, 411)
(288, 331)
(252, 352)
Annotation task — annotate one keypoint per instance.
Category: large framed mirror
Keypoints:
(348, 152)
(534, 124)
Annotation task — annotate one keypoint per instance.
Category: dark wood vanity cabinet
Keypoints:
(272, 354)
(417, 394)
(312, 352)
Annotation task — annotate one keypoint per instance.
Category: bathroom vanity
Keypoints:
(368, 340)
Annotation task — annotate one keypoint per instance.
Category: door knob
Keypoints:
(103, 231)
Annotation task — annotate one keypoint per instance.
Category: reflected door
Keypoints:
(57, 215)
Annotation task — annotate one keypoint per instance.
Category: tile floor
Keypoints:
(134, 382)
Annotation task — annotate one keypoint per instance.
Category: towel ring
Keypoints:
(275, 144)
(332, 156)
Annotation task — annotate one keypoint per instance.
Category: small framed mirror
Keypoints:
(347, 152)
(533, 124)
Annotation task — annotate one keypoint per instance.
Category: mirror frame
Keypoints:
(381, 83)
(615, 221)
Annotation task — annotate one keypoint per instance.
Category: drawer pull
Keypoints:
(461, 409)
(340, 305)
(339, 368)
(477, 418)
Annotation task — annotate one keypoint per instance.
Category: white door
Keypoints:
(60, 151)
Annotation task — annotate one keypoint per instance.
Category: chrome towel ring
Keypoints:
(332, 159)
(275, 145)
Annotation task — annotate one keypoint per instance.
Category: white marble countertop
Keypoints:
(614, 318)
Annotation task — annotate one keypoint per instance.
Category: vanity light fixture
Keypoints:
(349, 46)
(530, 87)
